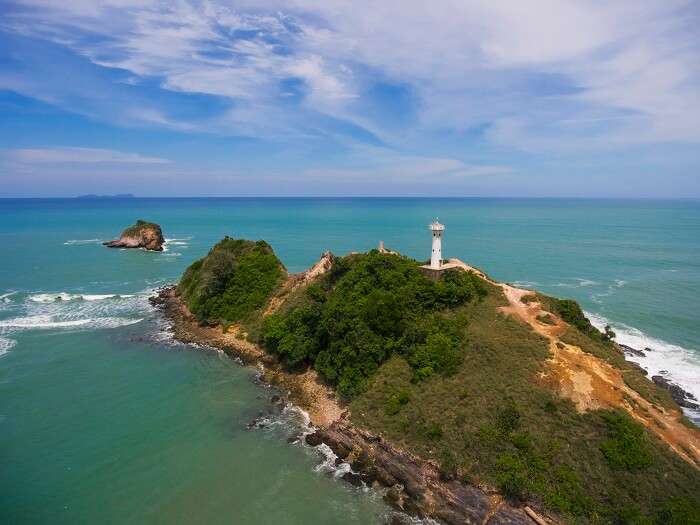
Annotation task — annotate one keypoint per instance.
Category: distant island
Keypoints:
(465, 399)
(115, 196)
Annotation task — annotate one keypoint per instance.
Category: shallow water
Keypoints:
(104, 419)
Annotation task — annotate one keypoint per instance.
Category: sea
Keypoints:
(104, 418)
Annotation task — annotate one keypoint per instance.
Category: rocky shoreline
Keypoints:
(684, 398)
(412, 485)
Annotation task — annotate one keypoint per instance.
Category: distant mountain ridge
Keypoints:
(115, 196)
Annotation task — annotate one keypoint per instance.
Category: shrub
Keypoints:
(608, 335)
(395, 402)
(627, 447)
(439, 353)
(508, 419)
(512, 476)
(678, 511)
(434, 431)
(546, 319)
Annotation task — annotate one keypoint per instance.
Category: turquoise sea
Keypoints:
(104, 419)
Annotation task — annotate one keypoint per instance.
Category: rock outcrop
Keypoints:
(680, 396)
(147, 235)
(415, 485)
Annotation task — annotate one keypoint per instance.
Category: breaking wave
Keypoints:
(184, 241)
(70, 311)
(45, 322)
(680, 365)
(64, 296)
(78, 242)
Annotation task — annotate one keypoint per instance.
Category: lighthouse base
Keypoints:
(433, 273)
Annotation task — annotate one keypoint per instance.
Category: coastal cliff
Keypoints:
(143, 234)
(468, 400)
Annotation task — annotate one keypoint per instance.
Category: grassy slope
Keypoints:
(492, 423)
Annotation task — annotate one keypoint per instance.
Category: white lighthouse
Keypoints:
(436, 255)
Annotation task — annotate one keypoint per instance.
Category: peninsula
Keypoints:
(143, 234)
(464, 399)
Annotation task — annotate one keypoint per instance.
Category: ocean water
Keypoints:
(104, 419)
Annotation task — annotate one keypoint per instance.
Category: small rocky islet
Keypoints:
(142, 234)
(450, 394)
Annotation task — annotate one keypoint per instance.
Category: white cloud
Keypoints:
(79, 156)
(373, 163)
(530, 68)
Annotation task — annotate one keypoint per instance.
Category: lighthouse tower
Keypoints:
(436, 255)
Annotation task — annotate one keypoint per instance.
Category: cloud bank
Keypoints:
(449, 80)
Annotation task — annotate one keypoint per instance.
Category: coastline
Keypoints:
(675, 365)
(304, 390)
(412, 484)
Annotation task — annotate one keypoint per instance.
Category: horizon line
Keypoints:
(452, 197)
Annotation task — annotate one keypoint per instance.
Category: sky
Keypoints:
(305, 98)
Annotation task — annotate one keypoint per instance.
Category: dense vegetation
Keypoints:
(368, 308)
(234, 280)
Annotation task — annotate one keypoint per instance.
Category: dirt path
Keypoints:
(590, 382)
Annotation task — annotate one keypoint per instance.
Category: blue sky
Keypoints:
(444, 98)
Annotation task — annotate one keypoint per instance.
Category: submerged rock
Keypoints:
(147, 235)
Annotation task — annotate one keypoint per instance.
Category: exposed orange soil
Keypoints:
(590, 382)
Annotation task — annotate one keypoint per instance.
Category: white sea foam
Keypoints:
(179, 242)
(5, 298)
(77, 242)
(183, 242)
(100, 297)
(44, 322)
(586, 282)
(680, 365)
(75, 311)
(6, 344)
(525, 284)
(65, 296)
